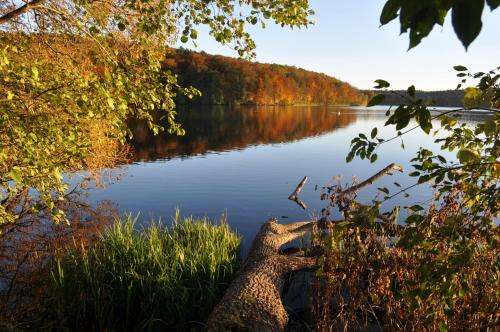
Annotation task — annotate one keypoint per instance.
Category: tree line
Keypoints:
(225, 81)
(444, 98)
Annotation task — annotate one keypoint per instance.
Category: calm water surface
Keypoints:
(246, 161)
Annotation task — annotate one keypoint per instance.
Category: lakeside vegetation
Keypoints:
(137, 277)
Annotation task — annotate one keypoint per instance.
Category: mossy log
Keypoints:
(253, 300)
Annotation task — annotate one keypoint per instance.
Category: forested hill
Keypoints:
(224, 80)
(445, 98)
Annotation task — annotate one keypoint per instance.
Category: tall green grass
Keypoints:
(149, 278)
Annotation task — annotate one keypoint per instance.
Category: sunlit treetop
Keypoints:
(161, 21)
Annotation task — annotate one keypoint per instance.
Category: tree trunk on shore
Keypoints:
(253, 300)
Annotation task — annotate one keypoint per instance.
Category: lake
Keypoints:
(245, 162)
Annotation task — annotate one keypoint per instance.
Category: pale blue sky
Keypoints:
(346, 42)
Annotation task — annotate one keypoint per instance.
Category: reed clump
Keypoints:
(145, 278)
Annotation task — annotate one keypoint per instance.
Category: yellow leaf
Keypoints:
(496, 170)
(473, 97)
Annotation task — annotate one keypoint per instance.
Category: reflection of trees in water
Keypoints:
(222, 129)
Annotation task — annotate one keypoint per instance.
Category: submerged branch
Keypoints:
(294, 195)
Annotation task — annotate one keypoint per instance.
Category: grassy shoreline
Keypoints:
(144, 278)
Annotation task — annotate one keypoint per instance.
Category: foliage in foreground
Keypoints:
(440, 273)
(149, 279)
(441, 270)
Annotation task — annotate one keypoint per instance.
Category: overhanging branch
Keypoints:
(21, 10)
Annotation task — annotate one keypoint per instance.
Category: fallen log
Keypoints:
(253, 300)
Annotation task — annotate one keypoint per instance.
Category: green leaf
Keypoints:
(34, 71)
(184, 39)
(466, 20)
(421, 20)
(423, 178)
(490, 127)
(377, 100)
(349, 157)
(381, 84)
(384, 190)
(460, 68)
(390, 11)
(426, 126)
(374, 133)
(16, 175)
(416, 208)
(111, 103)
(467, 155)
(411, 91)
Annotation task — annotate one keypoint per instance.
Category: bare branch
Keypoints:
(21, 10)
(372, 179)
(298, 189)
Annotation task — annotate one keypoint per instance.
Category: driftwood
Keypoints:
(372, 179)
(253, 300)
(295, 195)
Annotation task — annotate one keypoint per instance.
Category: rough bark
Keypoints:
(253, 300)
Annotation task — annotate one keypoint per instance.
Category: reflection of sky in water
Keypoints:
(253, 183)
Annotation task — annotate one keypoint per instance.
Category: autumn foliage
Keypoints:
(224, 80)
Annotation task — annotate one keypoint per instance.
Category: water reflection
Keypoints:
(222, 129)
(262, 154)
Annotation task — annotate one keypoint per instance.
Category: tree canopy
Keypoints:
(72, 72)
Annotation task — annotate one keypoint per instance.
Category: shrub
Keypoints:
(439, 272)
